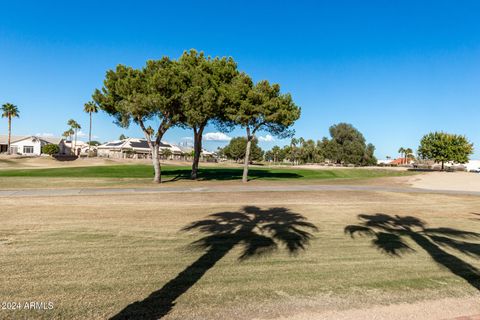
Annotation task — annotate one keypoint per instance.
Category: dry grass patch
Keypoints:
(94, 256)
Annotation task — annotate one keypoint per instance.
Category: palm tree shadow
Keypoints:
(257, 231)
(477, 216)
(388, 234)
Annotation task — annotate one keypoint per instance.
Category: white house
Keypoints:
(29, 145)
(135, 148)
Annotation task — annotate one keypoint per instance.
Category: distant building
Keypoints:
(473, 165)
(136, 149)
(384, 162)
(81, 147)
(30, 145)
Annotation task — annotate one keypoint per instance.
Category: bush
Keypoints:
(50, 149)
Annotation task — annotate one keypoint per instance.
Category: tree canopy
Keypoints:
(235, 150)
(206, 83)
(444, 147)
(348, 145)
(140, 95)
(260, 107)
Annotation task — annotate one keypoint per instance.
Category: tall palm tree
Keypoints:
(402, 152)
(10, 111)
(90, 107)
(75, 126)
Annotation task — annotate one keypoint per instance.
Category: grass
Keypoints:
(210, 173)
(95, 256)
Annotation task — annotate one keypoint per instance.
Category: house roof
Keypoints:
(13, 139)
(136, 144)
(401, 161)
(4, 138)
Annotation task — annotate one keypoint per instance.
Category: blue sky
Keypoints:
(394, 69)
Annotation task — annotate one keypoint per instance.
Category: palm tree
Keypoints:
(10, 111)
(75, 126)
(68, 135)
(408, 154)
(276, 152)
(389, 234)
(90, 107)
(402, 152)
(293, 149)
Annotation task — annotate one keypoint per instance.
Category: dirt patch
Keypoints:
(447, 308)
(454, 181)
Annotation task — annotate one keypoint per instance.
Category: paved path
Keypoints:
(229, 188)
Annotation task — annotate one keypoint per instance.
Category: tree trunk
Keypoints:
(156, 164)
(90, 135)
(75, 145)
(197, 148)
(443, 165)
(247, 158)
(9, 134)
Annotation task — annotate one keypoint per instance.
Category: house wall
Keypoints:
(37, 146)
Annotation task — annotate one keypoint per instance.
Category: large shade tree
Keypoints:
(443, 147)
(9, 111)
(140, 95)
(260, 107)
(206, 84)
(90, 107)
(348, 146)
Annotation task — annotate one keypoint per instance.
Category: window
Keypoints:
(27, 149)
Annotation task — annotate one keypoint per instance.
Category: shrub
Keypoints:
(50, 149)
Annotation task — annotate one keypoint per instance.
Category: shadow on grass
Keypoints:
(388, 234)
(228, 174)
(257, 231)
(477, 216)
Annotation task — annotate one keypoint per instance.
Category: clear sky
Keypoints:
(394, 69)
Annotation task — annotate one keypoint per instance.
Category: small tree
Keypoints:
(10, 111)
(51, 149)
(122, 137)
(237, 146)
(140, 95)
(444, 147)
(261, 107)
(166, 153)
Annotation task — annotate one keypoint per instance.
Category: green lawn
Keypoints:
(211, 173)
